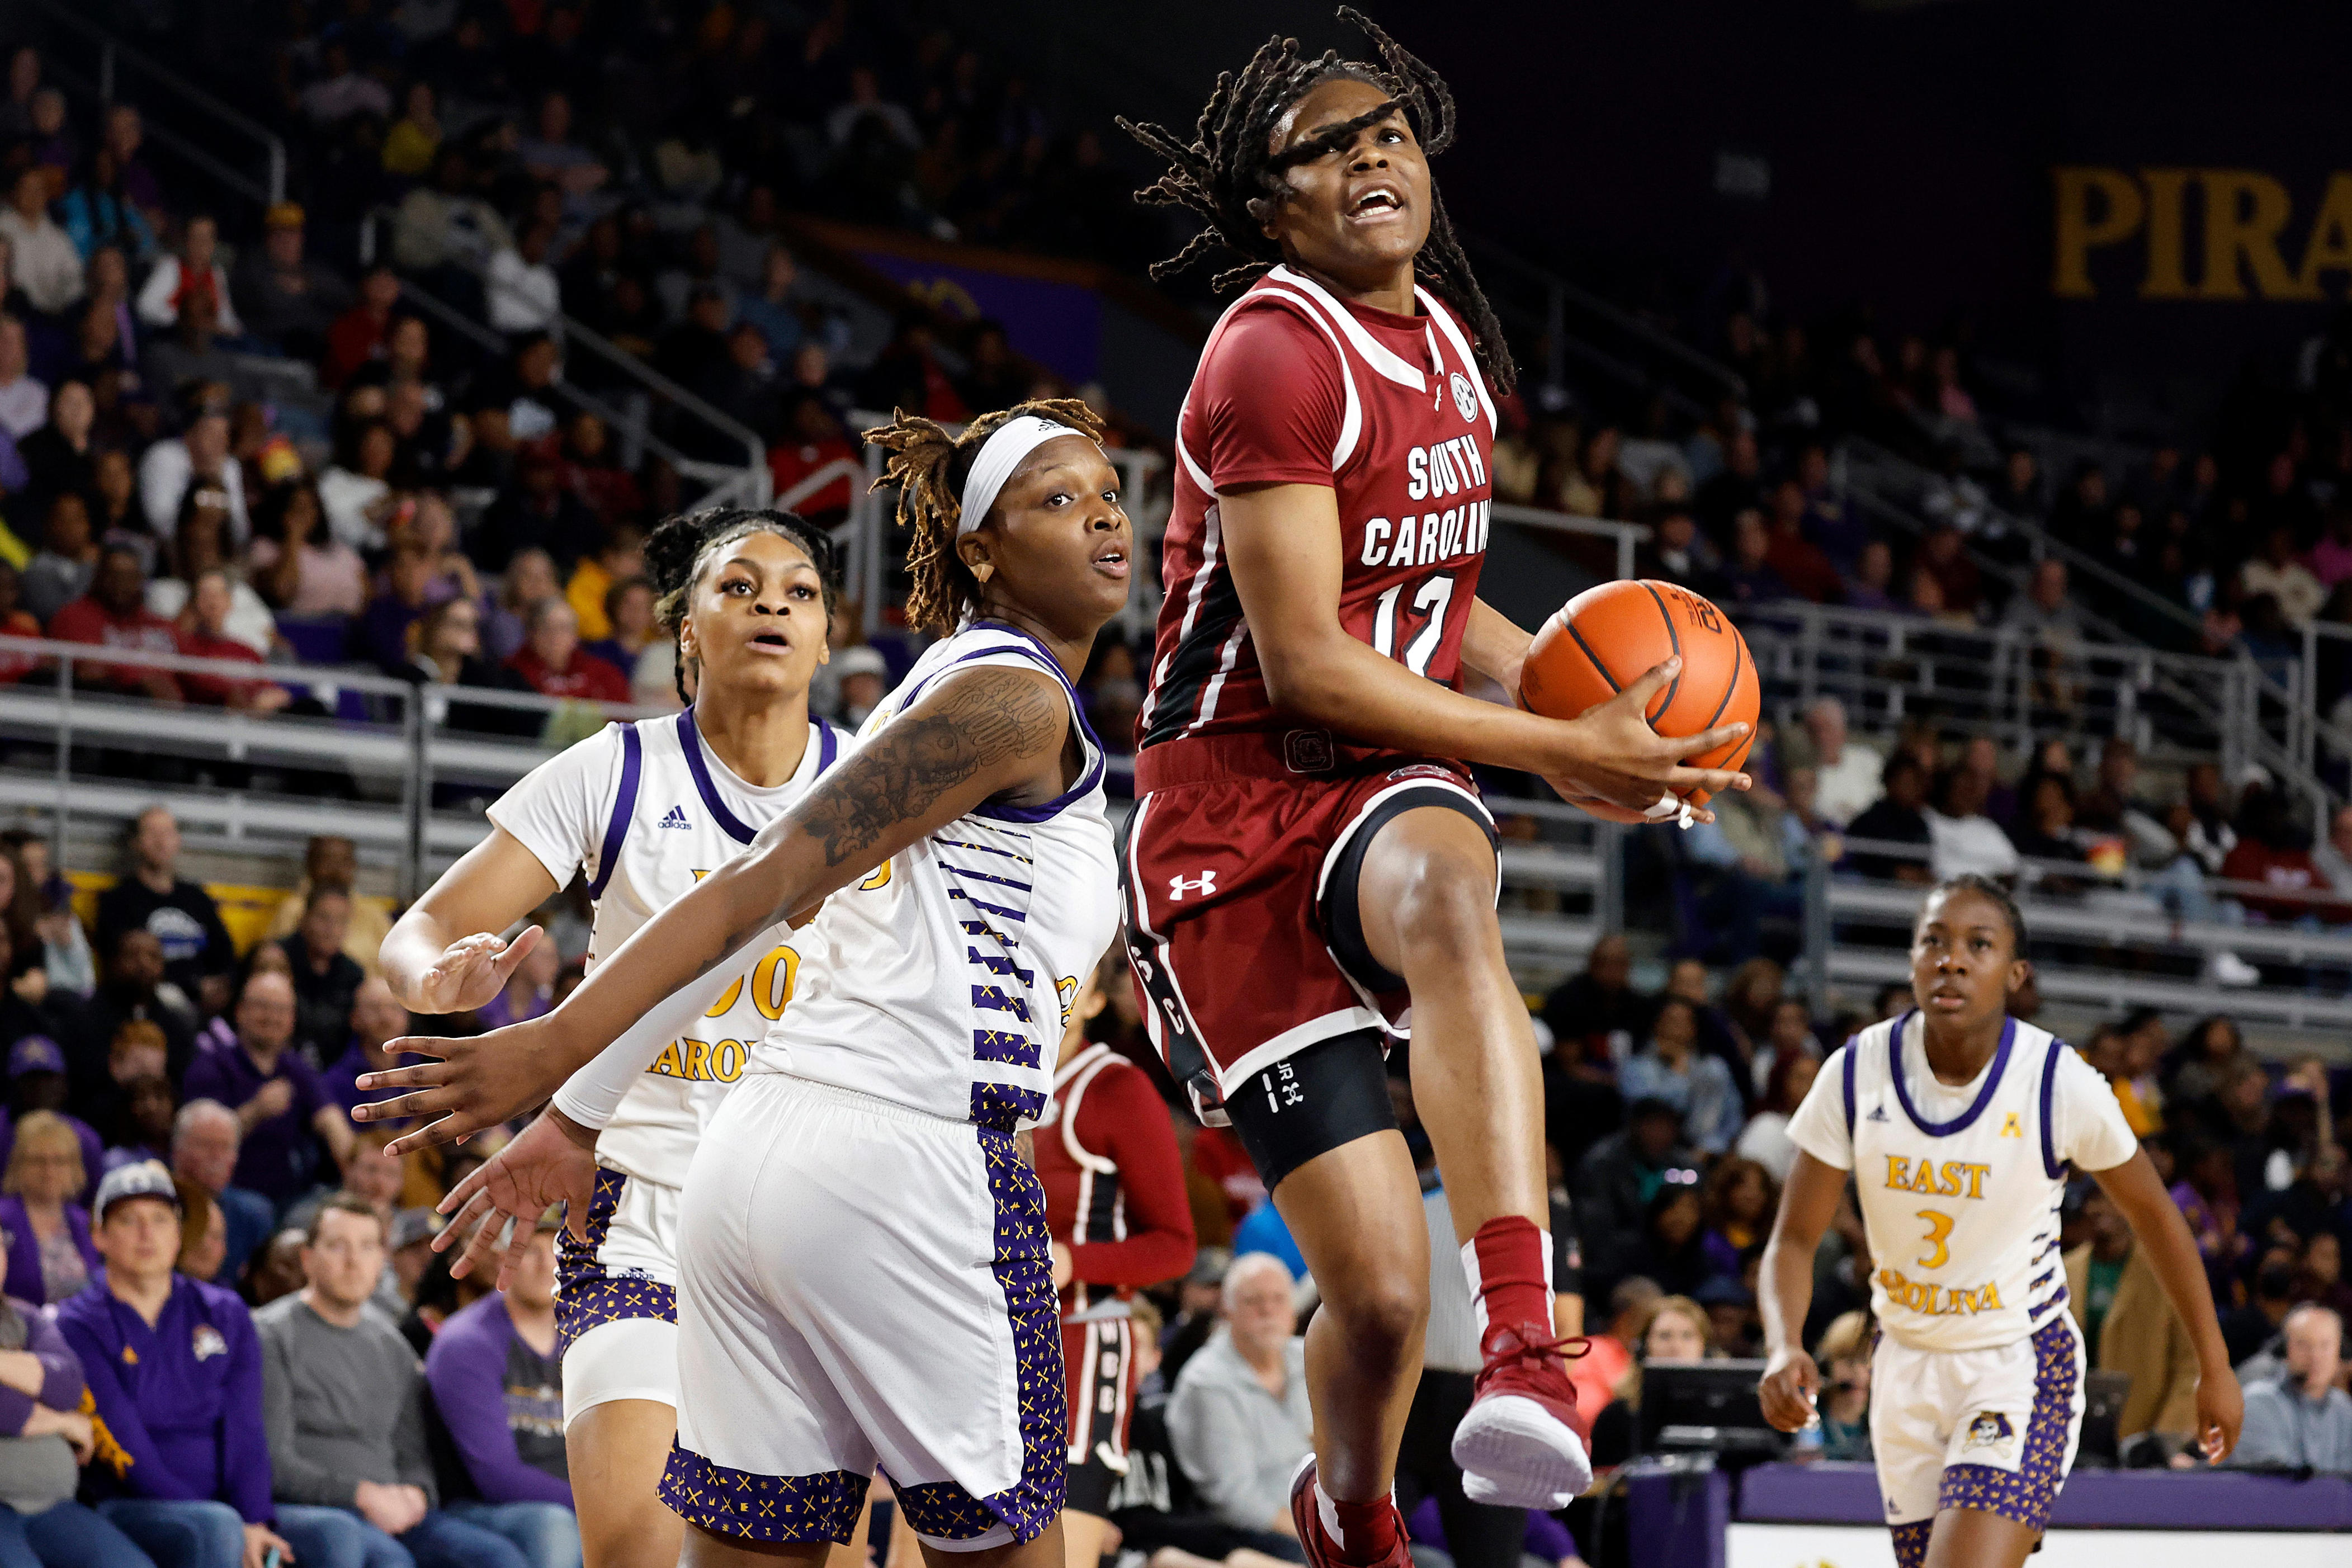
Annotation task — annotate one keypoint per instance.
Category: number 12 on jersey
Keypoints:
(1430, 598)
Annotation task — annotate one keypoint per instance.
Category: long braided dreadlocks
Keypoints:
(1230, 176)
(929, 467)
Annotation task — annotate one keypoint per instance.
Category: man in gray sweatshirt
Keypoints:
(1238, 1418)
(343, 1399)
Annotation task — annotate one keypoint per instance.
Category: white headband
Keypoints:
(999, 456)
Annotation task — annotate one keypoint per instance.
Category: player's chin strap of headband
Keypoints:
(999, 456)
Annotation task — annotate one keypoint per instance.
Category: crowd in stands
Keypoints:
(182, 1178)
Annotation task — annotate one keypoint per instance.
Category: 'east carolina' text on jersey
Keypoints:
(647, 810)
(1298, 386)
(941, 981)
(1961, 1187)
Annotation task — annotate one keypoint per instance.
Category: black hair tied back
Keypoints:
(680, 547)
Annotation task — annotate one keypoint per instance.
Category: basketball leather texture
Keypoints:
(1609, 637)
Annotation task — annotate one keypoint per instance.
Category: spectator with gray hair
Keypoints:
(2303, 1420)
(1239, 1418)
(206, 1136)
(1846, 774)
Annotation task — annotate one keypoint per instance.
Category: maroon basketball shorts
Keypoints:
(1243, 932)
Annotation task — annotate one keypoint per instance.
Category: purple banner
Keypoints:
(1059, 325)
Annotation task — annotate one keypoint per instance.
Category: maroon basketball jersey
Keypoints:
(1298, 386)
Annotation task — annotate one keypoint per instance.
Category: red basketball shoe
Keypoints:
(1520, 1445)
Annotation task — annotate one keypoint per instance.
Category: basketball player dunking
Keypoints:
(1308, 857)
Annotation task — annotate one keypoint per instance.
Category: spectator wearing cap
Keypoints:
(49, 1438)
(343, 1404)
(50, 1257)
(197, 953)
(1616, 1180)
(287, 300)
(40, 1080)
(282, 1105)
(495, 1371)
(193, 270)
(174, 1371)
(326, 978)
(1238, 1416)
(413, 1230)
(206, 1136)
(42, 259)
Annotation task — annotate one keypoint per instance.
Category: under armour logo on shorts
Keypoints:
(1205, 884)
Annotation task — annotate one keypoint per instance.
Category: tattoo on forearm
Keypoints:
(985, 719)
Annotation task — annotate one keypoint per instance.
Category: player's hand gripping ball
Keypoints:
(1611, 636)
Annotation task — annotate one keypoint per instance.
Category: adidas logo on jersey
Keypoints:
(676, 818)
(1877, 1114)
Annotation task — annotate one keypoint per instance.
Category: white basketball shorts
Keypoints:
(616, 1297)
(864, 1284)
(1992, 1429)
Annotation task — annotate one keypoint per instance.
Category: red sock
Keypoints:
(1363, 1531)
(1509, 1265)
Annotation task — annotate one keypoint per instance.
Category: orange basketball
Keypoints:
(1609, 637)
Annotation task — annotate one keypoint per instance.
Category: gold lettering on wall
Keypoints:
(2240, 229)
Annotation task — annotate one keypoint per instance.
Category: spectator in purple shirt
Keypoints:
(47, 1240)
(48, 1439)
(174, 1370)
(282, 1108)
(494, 1372)
(377, 1018)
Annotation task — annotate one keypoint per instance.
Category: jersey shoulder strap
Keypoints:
(625, 806)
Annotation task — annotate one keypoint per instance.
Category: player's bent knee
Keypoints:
(1382, 1318)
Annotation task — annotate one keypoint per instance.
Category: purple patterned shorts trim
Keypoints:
(2028, 1494)
(944, 1510)
(742, 1506)
(586, 1296)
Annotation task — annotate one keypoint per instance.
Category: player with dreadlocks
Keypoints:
(865, 1275)
(1309, 858)
(643, 811)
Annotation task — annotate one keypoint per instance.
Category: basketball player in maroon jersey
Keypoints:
(1308, 859)
(1120, 1218)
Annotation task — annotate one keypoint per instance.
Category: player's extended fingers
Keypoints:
(1653, 681)
(484, 1245)
(517, 951)
(454, 1128)
(1705, 741)
(1715, 781)
(519, 1238)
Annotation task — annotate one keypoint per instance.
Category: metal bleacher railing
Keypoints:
(100, 69)
(399, 768)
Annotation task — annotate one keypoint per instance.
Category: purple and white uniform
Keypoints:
(1977, 1384)
(645, 811)
(864, 1276)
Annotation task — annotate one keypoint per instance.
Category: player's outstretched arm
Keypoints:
(989, 732)
(1785, 1289)
(2137, 1192)
(446, 955)
(1282, 542)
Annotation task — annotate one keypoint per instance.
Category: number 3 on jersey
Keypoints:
(1430, 598)
(1939, 1230)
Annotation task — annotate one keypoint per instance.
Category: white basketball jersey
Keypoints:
(1961, 1187)
(941, 981)
(647, 810)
